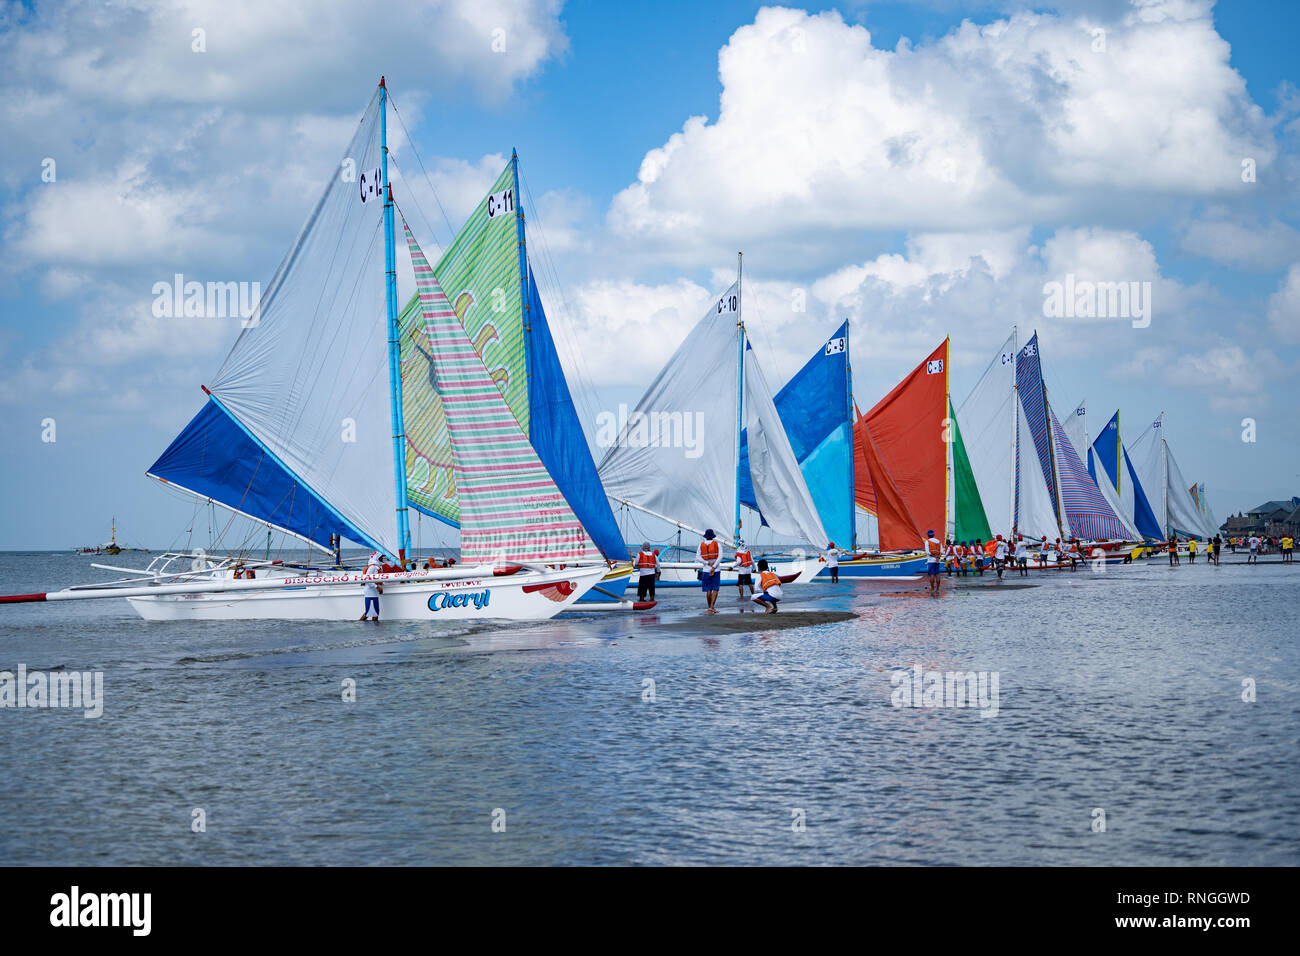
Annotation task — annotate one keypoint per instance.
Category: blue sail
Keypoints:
(557, 436)
(814, 408)
(1110, 451)
(1143, 516)
(216, 457)
(1106, 450)
(1029, 386)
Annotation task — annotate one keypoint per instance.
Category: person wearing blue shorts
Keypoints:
(933, 552)
(709, 554)
(770, 582)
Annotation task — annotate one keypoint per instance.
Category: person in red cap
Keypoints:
(1000, 556)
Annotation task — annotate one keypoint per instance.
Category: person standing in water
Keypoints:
(1022, 556)
(709, 554)
(770, 582)
(1173, 550)
(647, 566)
(1191, 550)
(744, 565)
(832, 560)
(933, 554)
(372, 589)
(1000, 556)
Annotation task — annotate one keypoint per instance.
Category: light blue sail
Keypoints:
(814, 408)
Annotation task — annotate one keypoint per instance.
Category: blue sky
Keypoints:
(820, 133)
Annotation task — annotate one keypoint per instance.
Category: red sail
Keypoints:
(908, 428)
(875, 490)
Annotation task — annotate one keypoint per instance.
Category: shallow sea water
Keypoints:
(1119, 691)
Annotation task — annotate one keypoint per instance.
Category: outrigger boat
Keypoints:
(267, 444)
(713, 374)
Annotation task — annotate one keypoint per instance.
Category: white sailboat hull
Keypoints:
(525, 597)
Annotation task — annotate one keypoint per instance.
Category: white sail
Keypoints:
(1164, 484)
(1035, 515)
(779, 487)
(676, 455)
(986, 419)
(308, 376)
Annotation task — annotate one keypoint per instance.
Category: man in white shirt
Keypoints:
(1022, 556)
(1253, 557)
(1000, 556)
(833, 561)
(372, 589)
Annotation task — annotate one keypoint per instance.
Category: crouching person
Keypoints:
(770, 583)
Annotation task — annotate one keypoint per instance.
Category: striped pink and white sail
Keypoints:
(510, 509)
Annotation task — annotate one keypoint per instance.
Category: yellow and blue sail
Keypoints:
(1110, 451)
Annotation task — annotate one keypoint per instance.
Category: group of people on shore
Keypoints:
(1263, 544)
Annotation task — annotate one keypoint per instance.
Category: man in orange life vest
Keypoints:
(709, 554)
(647, 565)
(744, 565)
(933, 552)
(770, 582)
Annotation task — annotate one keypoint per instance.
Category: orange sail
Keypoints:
(875, 490)
(907, 429)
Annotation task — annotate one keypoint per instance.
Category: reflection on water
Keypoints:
(1120, 692)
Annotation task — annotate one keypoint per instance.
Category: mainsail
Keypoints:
(970, 523)
(987, 420)
(1175, 509)
(1076, 427)
(510, 508)
(697, 484)
(297, 431)
(495, 297)
(908, 429)
(1134, 507)
(876, 491)
(1089, 514)
(815, 410)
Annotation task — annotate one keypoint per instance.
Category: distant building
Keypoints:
(1271, 519)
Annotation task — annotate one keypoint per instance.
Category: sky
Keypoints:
(922, 169)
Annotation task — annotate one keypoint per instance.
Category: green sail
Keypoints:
(480, 274)
(970, 520)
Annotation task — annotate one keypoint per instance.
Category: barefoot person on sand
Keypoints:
(771, 585)
(709, 554)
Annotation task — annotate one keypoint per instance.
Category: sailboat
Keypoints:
(488, 275)
(1175, 509)
(816, 408)
(715, 375)
(1030, 478)
(1109, 452)
(110, 546)
(303, 431)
